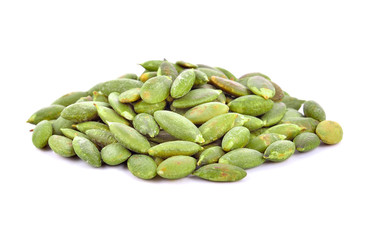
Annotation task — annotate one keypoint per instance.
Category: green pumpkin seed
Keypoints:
(176, 167)
(174, 148)
(167, 69)
(228, 74)
(41, 133)
(99, 97)
(212, 72)
(251, 105)
(114, 154)
(186, 64)
(71, 133)
(306, 142)
(279, 94)
(292, 102)
(124, 110)
(307, 124)
(61, 145)
(69, 98)
(216, 127)
(85, 99)
(178, 126)
(203, 112)
(152, 65)
(109, 115)
(147, 75)
(314, 110)
(253, 123)
(290, 113)
(219, 172)
(129, 76)
(146, 125)
(274, 115)
(87, 151)
(59, 123)
(156, 89)
(196, 97)
(287, 129)
(83, 127)
(129, 137)
(81, 112)
(100, 137)
(48, 113)
(200, 78)
(248, 75)
(131, 95)
(231, 87)
(142, 166)
(150, 108)
(210, 155)
(183, 84)
(261, 86)
(117, 85)
(279, 151)
(244, 158)
(261, 142)
(329, 132)
(237, 137)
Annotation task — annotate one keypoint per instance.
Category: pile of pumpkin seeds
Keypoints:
(180, 119)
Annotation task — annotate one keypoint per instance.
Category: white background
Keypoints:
(314, 50)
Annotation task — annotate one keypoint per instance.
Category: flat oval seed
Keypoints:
(290, 113)
(279, 94)
(71, 133)
(261, 142)
(212, 72)
(203, 112)
(117, 85)
(129, 76)
(274, 115)
(237, 137)
(231, 87)
(287, 129)
(186, 64)
(307, 124)
(129, 137)
(314, 110)
(41, 133)
(59, 123)
(156, 89)
(216, 127)
(200, 78)
(228, 74)
(84, 126)
(248, 75)
(87, 151)
(124, 110)
(176, 167)
(251, 105)
(99, 97)
(131, 95)
(151, 65)
(146, 125)
(279, 151)
(306, 142)
(48, 113)
(261, 86)
(150, 108)
(147, 75)
(109, 115)
(183, 84)
(100, 137)
(167, 69)
(174, 148)
(142, 166)
(292, 102)
(210, 155)
(329, 132)
(114, 154)
(80, 112)
(84, 99)
(218, 172)
(253, 123)
(244, 158)
(61, 145)
(69, 98)
(196, 97)
(178, 126)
